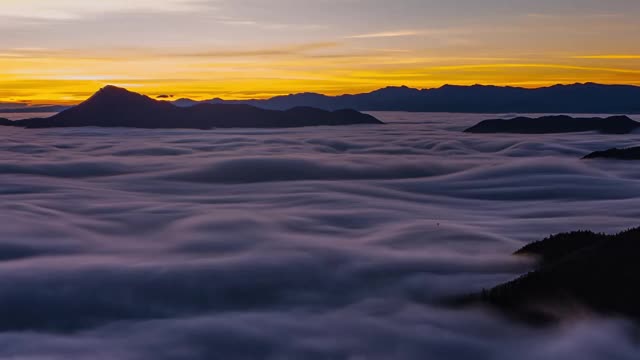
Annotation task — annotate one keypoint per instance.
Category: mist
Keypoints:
(312, 243)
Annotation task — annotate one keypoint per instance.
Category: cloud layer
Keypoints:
(319, 243)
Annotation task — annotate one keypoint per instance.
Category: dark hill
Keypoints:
(556, 124)
(617, 154)
(116, 107)
(586, 98)
(5, 122)
(577, 271)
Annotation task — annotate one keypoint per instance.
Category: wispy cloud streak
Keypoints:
(73, 9)
(386, 34)
(609, 57)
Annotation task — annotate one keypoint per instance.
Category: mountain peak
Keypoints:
(395, 90)
(114, 96)
(112, 89)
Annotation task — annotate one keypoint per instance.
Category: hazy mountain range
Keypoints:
(576, 98)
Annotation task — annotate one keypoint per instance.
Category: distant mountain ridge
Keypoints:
(575, 98)
(556, 124)
(632, 153)
(116, 107)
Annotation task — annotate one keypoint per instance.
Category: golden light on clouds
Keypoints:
(44, 79)
(387, 34)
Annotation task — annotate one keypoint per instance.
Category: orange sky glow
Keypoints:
(59, 53)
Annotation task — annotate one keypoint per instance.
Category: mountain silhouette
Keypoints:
(632, 153)
(576, 98)
(577, 272)
(116, 107)
(5, 122)
(556, 124)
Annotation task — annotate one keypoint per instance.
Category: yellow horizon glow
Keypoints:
(56, 79)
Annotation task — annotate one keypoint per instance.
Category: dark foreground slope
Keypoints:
(632, 153)
(556, 124)
(586, 98)
(116, 107)
(578, 272)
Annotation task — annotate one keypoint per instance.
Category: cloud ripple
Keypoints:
(323, 243)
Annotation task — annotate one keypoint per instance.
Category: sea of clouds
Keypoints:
(315, 243)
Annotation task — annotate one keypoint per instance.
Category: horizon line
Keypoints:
(163, 96)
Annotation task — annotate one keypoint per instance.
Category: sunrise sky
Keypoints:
(61, 51)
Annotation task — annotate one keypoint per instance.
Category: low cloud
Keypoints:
(313, 243)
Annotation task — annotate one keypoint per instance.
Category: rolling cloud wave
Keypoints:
(319, 243)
